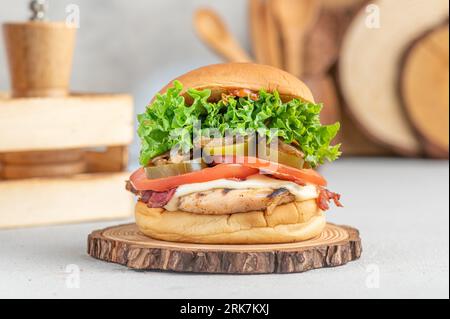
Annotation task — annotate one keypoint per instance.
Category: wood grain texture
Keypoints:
(45, 157)
(424, 84)
(325, 91)
(57, 200)
(40, 57)
(125, 245)
(340, 4)
(22, 171)
(113, 159)
(272, 39)
(258, 30)
(75, 121)
(369, 73)
(355, 142)
(321, 44)
(294, 19)
(213, 31)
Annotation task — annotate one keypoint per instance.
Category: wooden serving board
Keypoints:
(125, 245)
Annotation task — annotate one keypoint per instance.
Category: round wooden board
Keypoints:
(125, 245)
(370, 62)
(424, 83)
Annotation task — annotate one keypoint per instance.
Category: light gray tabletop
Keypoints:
(400, 206)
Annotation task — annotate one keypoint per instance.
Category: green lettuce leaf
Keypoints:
(169, 121)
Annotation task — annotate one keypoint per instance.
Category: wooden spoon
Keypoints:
(273, 39)
(294, 18)
(214, 33)
(257, 12)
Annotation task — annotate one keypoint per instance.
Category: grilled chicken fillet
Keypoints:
(231, 201)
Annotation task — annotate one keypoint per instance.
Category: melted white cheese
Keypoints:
(301, 193)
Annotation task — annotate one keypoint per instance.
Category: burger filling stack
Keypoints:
(228, 156)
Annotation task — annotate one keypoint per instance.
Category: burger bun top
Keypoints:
(223, 78)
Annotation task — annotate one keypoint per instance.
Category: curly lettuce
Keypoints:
(169, 121)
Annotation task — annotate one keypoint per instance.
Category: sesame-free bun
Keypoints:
(293, 222)
(221, 78)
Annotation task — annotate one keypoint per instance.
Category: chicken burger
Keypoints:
(228, 157)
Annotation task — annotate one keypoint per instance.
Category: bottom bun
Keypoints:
(293, 222)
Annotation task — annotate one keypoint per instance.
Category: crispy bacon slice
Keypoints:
(325, 196)
(157, 199)
(241, 93)
(151, 198)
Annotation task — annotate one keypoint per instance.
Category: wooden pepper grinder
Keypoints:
(40, 55)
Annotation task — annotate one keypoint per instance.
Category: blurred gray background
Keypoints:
(132, 48)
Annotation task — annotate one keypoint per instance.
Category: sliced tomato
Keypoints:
(141, 182)
(300, 176)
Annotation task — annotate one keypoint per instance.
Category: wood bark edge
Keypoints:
(230, 262)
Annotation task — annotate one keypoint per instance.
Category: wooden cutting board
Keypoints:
(370, 64)
(125, 245)
(424, 84)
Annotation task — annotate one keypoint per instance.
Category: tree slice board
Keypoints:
(125, 245)
(355, 142)
(424, 83)
(370, 64)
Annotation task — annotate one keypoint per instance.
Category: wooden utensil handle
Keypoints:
(294, 53)
(273, 40)
(257, 11)
(231, 52)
